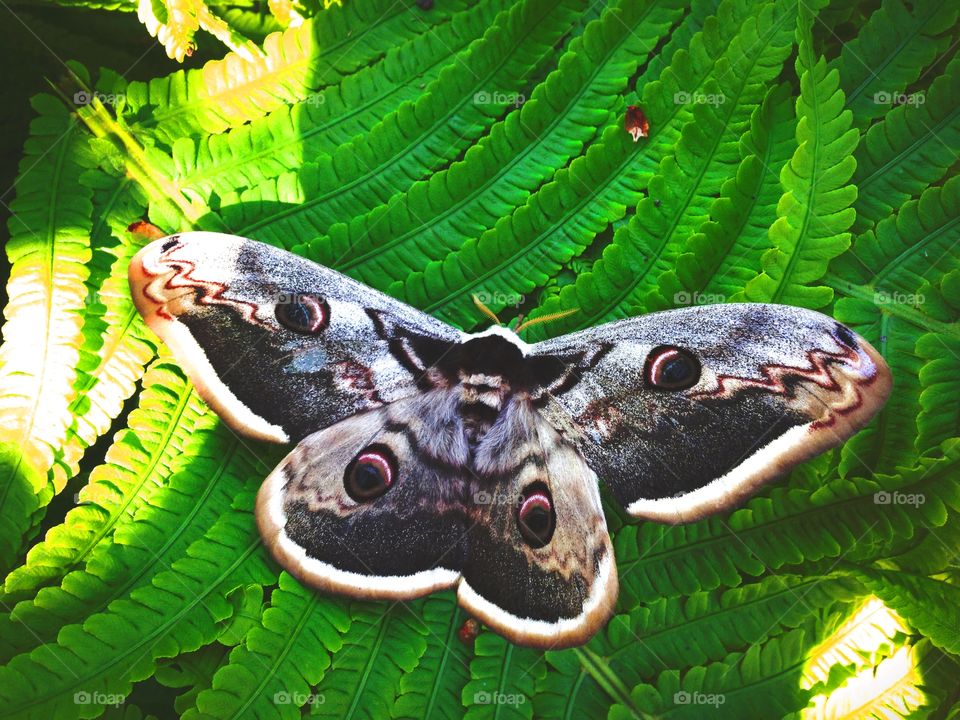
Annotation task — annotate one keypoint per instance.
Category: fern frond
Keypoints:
(280, 142)
(48, 251)
(705, 626)
(911, 148)
(413, 140)
(680, 195)
(890, 52)
(562, 218)
(761, 682)
(892, 262)
(841, 517)
(212, 469)
(295, 62)
(814, 214)
(514, 159)
(716, 262)
(381, 646)
(190, 672)
(433, 689)
(893, 689)
(502, 675)
(930, 605)
(281, 659)
(178, 612)
(136, 465)
(116, 346)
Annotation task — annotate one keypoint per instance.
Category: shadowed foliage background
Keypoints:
(798, 152)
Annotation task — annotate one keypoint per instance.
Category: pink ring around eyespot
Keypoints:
(658, 362)
(320, 309)
(372, 458)
(534, 500)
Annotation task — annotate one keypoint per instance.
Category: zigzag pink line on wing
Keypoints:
(212, 291)
(774, 376)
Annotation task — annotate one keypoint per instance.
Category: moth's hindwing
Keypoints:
(688, 412)
(393, 503)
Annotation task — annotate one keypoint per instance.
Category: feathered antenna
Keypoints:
(545, 318)
(485, 310)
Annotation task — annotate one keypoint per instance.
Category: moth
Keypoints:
(426, 457)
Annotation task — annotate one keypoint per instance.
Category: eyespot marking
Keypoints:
(303, 313)
(536, 518)
(671, 368)
(370, 474)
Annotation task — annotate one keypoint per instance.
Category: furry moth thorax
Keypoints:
(430, 458)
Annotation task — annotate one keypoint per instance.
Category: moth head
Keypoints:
(671, 368)
(370, 474)
(536, 517)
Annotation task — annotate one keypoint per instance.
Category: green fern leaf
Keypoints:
(519, 154)
(433, 689)
(295, 62)
(253, 153)
(281, 659)
(381, 645)
(503, 677)
(716, 262)
(48, 251)
(814, 214)
(558, 221)
(137, 464)
(453, 112)
(890, 52)
(911, 148)
(178, 612)
(932, 606)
